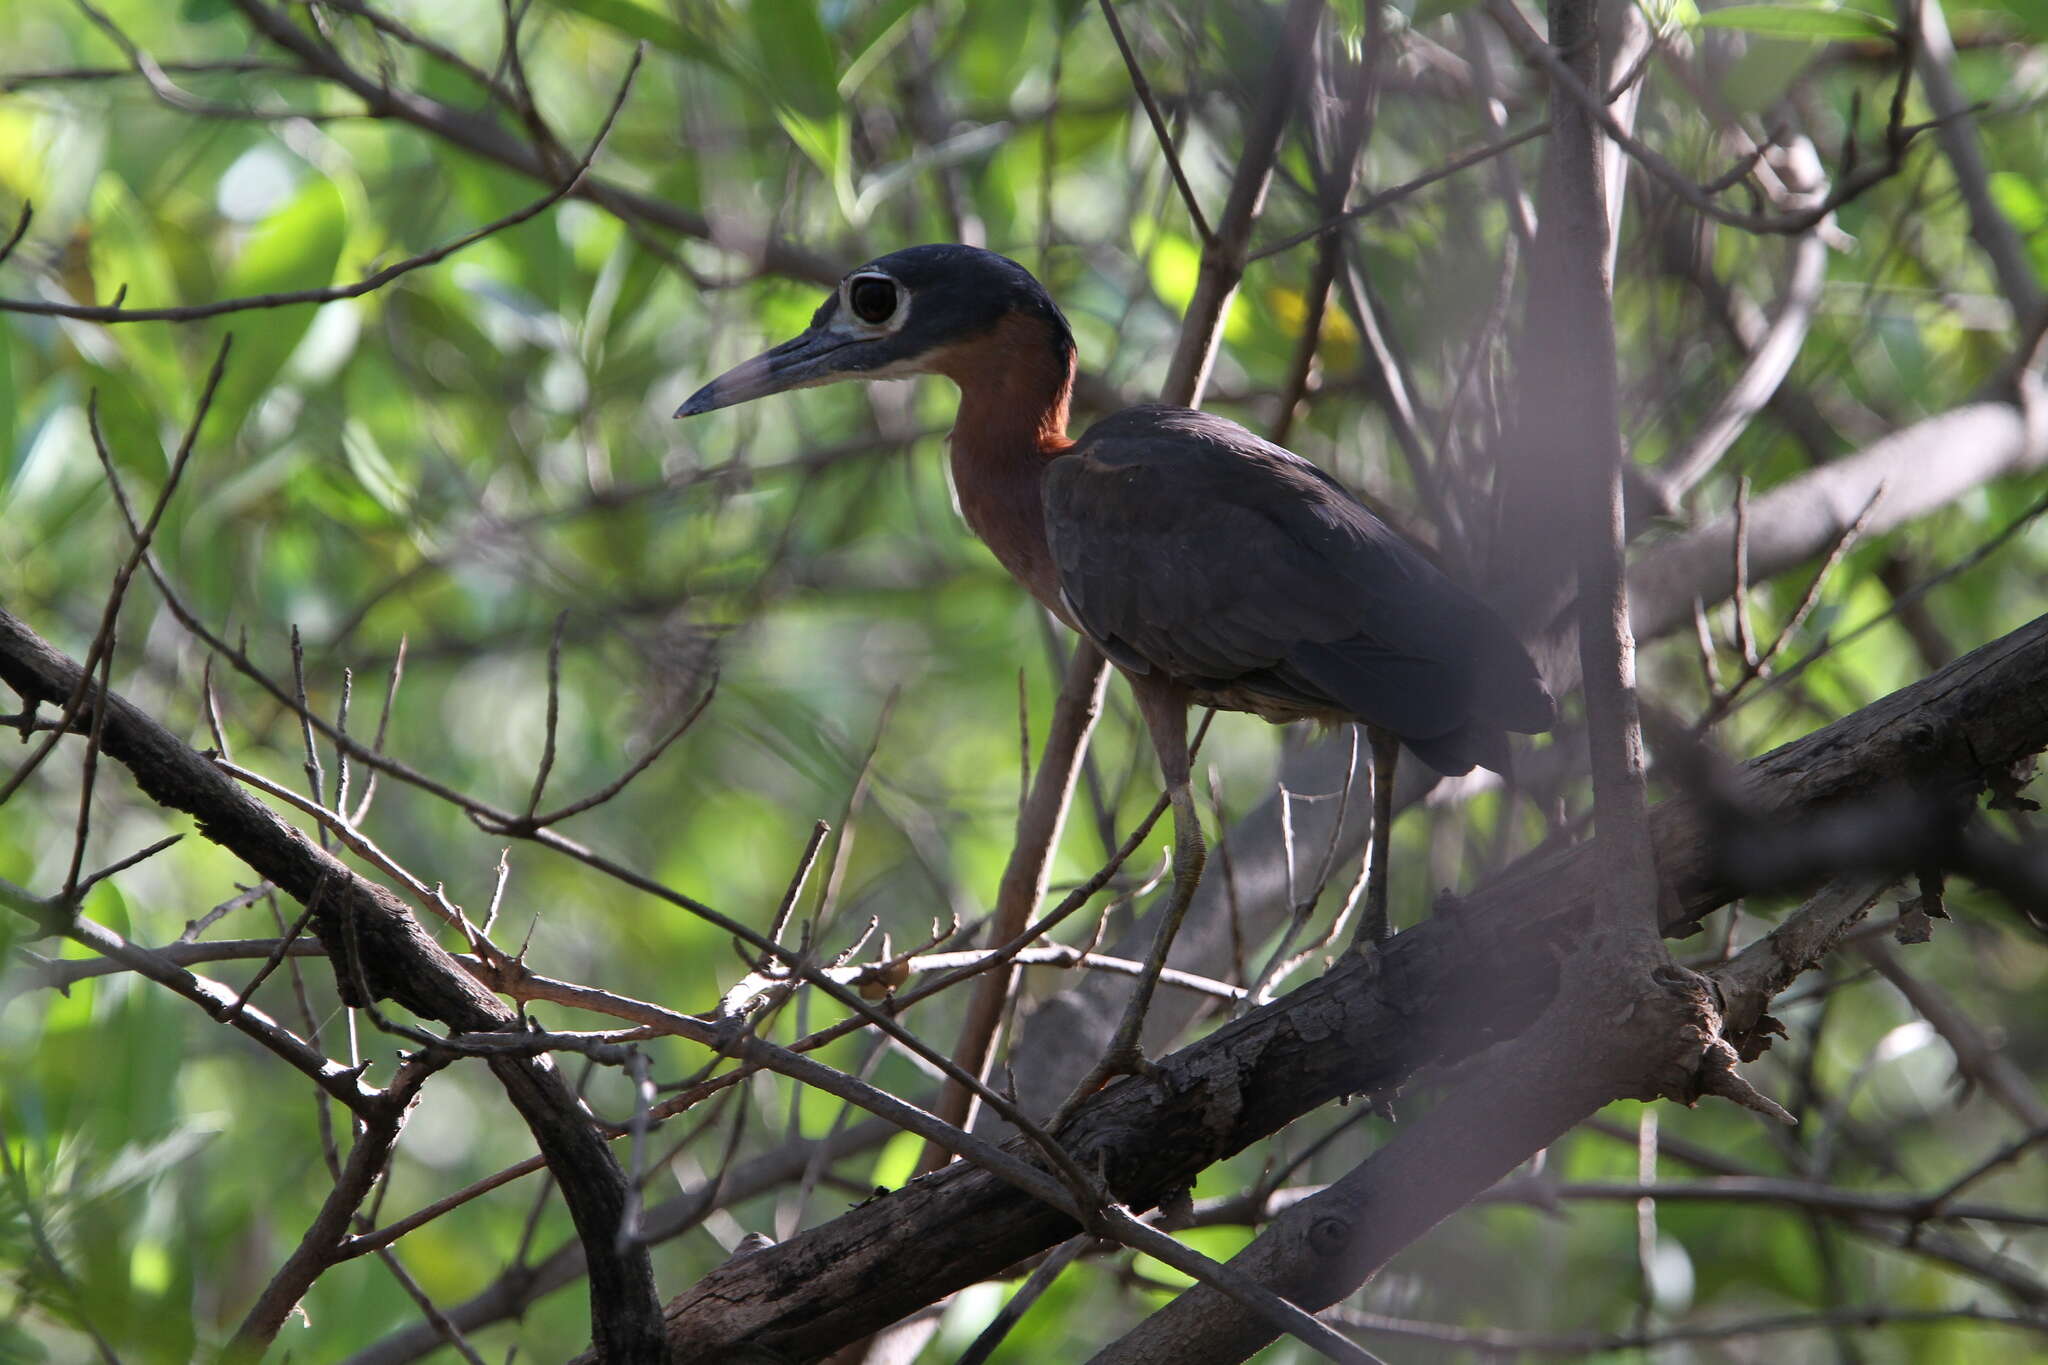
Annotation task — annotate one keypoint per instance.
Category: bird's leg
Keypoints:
(1125, 1057)
(1386, 749)
(1166, 715)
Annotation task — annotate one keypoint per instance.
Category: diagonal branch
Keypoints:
(1224, 254)
(369, 284)
(399, 960)
(2003, 247)
(1143, 88)
(485, 137)
(1898, 136)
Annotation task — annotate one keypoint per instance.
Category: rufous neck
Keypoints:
(1016, 387)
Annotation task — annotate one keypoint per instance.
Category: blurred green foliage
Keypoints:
(447, 465)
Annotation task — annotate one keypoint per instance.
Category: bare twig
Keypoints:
(103, 638)
(1381, 199)
(530, 822)
(369, 284)
(554, 715)
(343, 1083)
(316, 1250)
(1143, 89)
(1898, 136)
(1757, 663)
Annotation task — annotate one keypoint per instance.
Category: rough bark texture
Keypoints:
(1468, 977)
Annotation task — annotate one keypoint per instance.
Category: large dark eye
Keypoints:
(872, 298)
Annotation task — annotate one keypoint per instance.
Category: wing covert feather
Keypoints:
(1184, 543)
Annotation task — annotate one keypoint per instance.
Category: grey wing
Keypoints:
(1184, 544)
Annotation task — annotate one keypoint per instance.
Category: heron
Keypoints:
(1209, 566)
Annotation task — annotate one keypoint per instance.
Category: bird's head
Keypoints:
(922, 310)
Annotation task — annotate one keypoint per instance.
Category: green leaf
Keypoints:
(647, 25)
(2020, 200)
(373, 470)
(297, 247)
(890, 24)
(822, 140)
(797, 63)
(1799, 21)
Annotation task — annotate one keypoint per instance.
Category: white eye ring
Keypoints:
(898, 298)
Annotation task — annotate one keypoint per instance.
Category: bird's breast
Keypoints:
(1001, 502)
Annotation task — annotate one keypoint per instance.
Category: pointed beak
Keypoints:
(819, 356)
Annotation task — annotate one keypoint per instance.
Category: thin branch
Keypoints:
(1582, 1345)
(1851, 184)
(1123, 1227)
(1019, 1304)
(12, 81)
(316, 1251)
(1757, 663)
(554, 715)
(223, 1005)
(103, 638)
(529, 822)
(21, 223)
(488, 139)
(1380, 199)
(1025, 872)
(114, 313)
(1160, 131)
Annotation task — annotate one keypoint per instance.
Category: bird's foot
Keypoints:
(1122, 1059)
(1371, 954)
(1127, 1059)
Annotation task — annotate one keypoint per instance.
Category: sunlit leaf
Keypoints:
(645, 24)
(795, 56)
(1818, 20)
(372, 468)
(889, 23)
(295, 248)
